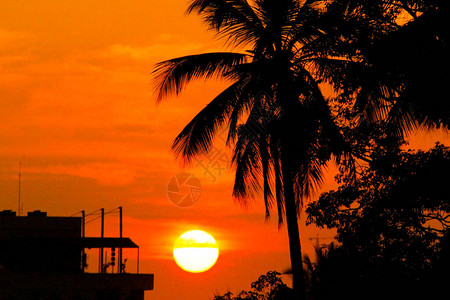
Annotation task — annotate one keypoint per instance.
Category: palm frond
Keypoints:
(401, 119)
(234, 19)
(252, 156)
(247, 161)
(266, 174)
(275, 15)
(173, 75)
(255, 88)
(370, 105)
(197, 137)
(303, 25)
(308, 178)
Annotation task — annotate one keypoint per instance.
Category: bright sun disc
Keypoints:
(195, 251)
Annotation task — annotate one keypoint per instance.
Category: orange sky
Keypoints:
(77, 109)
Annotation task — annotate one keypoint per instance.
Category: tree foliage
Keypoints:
(268, 287)
(398, 68)
(393, 224)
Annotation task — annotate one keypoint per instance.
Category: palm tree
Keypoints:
(278, 120)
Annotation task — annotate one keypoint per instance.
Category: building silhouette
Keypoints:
(44, 258)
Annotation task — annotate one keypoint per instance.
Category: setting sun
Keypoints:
(195, 251)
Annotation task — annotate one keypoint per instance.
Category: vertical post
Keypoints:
(83, 223)
(20, 174)
(102, 236)
(83, 235)
(137, 267)
(119, 269)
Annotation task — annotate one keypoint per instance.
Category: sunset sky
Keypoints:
(78, 113)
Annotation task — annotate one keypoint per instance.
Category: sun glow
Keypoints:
(195, 251)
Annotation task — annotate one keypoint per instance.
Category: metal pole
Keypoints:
(119, 270)
(137, 267)
(83, 235)
(20, 174)
(102, 236)
(83, 221)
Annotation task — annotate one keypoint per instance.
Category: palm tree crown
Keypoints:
(278, 120)
(274, 95)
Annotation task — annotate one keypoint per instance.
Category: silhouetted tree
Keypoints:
(288, 133)
(399, 67)
(340, 273)
(393, 225)
(268, 287)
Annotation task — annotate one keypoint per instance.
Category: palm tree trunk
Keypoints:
(288, 149)
(298, 278)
